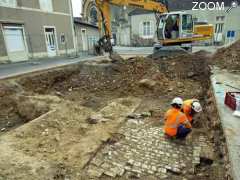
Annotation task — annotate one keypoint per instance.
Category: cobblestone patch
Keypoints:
(145, 151)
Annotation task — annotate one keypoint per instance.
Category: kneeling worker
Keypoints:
(190, 108)
(176, 122)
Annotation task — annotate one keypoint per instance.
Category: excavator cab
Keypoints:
(177, 30)
(174, 26)
(174, 33)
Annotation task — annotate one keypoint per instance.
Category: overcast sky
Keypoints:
(77, 7)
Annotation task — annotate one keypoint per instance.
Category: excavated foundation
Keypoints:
(104, 120)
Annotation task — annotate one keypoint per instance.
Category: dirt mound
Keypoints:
(124, 77)
(192, 66)
(229, 57)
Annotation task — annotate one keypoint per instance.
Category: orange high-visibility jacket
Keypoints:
(187, 106)
(173, 118)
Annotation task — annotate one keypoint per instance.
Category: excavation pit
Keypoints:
(87, 103)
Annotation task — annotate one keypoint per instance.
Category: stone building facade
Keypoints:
(31, 29)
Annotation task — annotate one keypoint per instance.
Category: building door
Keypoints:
(84, 40)
(15, 43)
(51, 42)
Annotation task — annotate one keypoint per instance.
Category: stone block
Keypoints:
(154, 168)
(207, 155)
(110, 173)
(95, 172)
(97, 162)
(138, 164)
(144, 166)
(130, 162)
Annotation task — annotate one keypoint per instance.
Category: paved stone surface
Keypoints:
(221, 79)
(145, 151)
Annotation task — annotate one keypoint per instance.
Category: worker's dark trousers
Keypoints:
(182, 131)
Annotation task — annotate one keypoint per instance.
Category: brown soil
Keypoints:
(17, 109)
(60, 143)
(228, 58)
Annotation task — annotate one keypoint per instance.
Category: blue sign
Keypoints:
(228, 34)
(231, 34)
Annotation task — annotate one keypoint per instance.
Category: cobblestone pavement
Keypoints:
(145, 151)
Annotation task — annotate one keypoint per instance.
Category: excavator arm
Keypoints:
(173, 29)
(104, 21)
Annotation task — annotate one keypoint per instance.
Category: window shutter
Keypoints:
(141, 29)
(151, 28)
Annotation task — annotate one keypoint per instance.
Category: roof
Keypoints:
(139, 11)
(79, 20)
(176, 12)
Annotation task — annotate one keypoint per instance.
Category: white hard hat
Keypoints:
(178, 101)
(196, 106)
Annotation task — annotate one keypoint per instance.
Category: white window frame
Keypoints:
(219, 27)
(8, 3)
(56, 39)
(144, 31)
(46, 5)
(2, 27)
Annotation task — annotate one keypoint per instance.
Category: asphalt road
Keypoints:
(15, 69)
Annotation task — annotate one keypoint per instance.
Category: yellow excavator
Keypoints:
(174, 29)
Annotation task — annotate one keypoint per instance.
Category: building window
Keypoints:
(46, 5)
(93, 15)
(147, 29)
(219, 28)
(8, 3)
(220, 18)
(92, 40)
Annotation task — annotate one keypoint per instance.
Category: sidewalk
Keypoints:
(141, 51)
(231, 124)
(15, 69)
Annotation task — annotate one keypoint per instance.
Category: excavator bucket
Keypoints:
(103, 45)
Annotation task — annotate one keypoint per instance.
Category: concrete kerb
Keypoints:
(217, 103)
